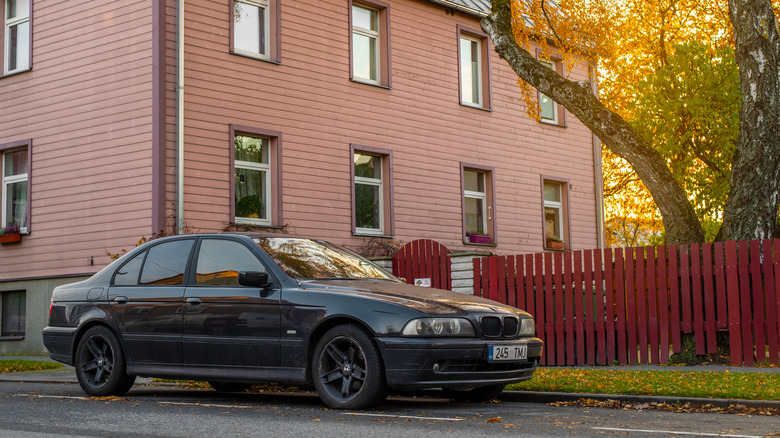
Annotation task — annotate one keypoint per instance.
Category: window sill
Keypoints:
(491, 245)
(256, 58)
(252, 226)
(14, 73)
(373, 84)
(11, 338)
(382, 236)
(551, 123)
(471, 105)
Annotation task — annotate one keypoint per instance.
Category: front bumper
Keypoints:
(453, 363)
(59, 342)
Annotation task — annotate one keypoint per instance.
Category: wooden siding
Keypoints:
(86, 105)
(310, 99)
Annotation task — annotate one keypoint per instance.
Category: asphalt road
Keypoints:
(34, 409)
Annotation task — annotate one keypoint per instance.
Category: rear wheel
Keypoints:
(222, 386)
(100, 364)
(476, 395)
(347, 369)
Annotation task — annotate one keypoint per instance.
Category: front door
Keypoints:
(226, 324)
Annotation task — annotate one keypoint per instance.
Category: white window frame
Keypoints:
(7, 181)
(467, 100)
(266, 6)
(468, 194)
(554, 120)
(9, 23)
(557, 205)
(374, 182)
(372, 34)
(262, 167)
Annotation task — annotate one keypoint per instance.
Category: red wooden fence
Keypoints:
(634, 305)
(424, 259)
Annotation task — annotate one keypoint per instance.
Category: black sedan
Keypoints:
(235, 309)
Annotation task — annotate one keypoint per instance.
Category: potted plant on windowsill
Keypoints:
(11, 234)
(479, 238)
(554, 243)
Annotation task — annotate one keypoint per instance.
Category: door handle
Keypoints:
(120, 300)
(194, 301)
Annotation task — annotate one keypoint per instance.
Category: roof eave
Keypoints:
(459, 7)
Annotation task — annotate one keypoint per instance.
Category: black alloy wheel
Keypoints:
(100, 364)
(347, 369)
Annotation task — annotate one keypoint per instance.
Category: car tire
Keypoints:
(476, 395)
(100, 364)
(223, 386)
(347, 369)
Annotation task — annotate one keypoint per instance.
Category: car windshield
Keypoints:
(306, 259)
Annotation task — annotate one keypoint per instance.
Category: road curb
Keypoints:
(552, 397)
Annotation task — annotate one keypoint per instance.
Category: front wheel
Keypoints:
(100, 364)
(347, 369)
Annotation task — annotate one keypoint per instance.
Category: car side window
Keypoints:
(166, 262)
(220, 261)
(128, 274)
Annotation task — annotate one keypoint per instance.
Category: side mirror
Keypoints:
(253, 279)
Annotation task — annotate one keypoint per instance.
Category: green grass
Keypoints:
(13, 366)
(700, 384)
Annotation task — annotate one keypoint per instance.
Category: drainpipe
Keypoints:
(598, 177)
(180, 118)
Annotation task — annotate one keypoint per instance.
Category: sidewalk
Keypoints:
(67, 374)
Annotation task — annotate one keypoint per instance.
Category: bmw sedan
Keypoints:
(238, 309)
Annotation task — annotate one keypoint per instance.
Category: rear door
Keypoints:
(147, 299)
(226, 324)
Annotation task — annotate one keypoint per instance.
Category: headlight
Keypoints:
(438, 327)
(527, 327)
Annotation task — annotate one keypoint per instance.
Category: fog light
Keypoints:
(435, 367)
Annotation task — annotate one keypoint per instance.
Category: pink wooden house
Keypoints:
(365, 122)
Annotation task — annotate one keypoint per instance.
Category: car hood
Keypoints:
(423, 299)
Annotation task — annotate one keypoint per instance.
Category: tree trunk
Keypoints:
(680, 220)
(752, 205)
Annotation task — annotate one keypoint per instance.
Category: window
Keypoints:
(371, 194)
(166, 262)
(473, 68)
(13, 313)
(556, 220)
(256, 177)
(15, 193)
(220, 262)
(370, 43)
(551, 112)
(16, 36)
(255, 29)
(478, 204)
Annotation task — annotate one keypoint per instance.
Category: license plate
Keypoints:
(500, 353)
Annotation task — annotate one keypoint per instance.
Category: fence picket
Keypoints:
(685, 289)
(477, 264)
(735, 326)
(697, 302)
(759, 340)
(579, 301)
(744, 285)
(641, 305)
(674, 299)
(771, 299)
(652, 303)
(590, 309)
(630, 307)
(501, 278)
(720, 287)
(620, 305)
(708, 297)
(549, 304)
(569, 307)
(663, 305)
(510, 284)
(560, 328)
(609, 307)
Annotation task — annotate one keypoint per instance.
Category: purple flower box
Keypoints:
(479, 239)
